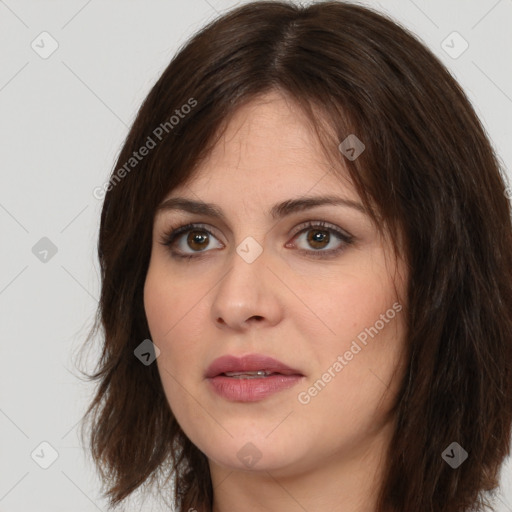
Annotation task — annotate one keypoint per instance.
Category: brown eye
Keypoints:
(317, 238)
(194, 244)
(197, 240)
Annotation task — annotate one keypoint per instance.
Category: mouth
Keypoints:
(250, 378)
(253, 366)
(250, 375)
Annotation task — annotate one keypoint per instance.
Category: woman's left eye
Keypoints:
(318, 237)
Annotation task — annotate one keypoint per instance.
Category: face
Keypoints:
(313, 287)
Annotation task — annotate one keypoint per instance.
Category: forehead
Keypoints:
(269, 144)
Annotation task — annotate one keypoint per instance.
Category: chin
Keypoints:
(254, 453)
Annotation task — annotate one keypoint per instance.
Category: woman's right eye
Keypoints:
(198, 236)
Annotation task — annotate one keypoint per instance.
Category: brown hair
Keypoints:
(428, 173)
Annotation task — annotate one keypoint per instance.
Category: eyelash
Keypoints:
(171, 235)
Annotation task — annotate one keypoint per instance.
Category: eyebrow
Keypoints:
(278, 211)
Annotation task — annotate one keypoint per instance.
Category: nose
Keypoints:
(248, 293)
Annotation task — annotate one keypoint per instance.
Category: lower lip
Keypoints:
(252, 390)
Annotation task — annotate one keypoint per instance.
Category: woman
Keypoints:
(306, 254)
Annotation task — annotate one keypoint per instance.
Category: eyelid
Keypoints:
(172, 233)
(323, 224)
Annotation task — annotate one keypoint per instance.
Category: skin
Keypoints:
(301, 310)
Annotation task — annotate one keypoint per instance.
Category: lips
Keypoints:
(250, 363)
(250, 378)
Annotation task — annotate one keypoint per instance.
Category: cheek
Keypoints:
(355, 384)
(340, 305)
(171, 311)
(357, 317)
(166, 303)
(166, 312)
(155, 302)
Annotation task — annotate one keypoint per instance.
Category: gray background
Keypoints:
(62, 121)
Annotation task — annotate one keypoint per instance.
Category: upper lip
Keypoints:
(248, 363)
